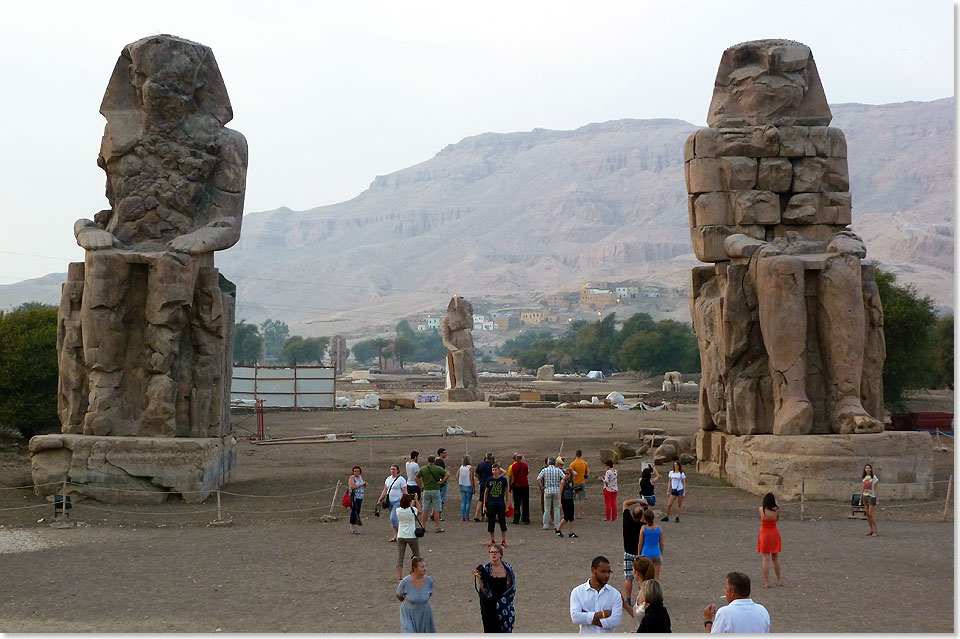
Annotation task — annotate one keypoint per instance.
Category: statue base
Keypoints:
(131, 470)
(463, 395)
(828, 466)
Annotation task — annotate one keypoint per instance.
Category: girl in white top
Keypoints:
(406, 516)
(466, 478)
(610, 489)
(678, 485)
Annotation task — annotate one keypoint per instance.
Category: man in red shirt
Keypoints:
(520, 487)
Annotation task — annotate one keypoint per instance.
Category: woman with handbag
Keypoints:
(497, 588)
(410, 530)
(355, 485)
(394, 487)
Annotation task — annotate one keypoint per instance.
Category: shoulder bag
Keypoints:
(419, 531)
(385, 502)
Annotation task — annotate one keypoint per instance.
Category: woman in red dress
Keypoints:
(768, 544)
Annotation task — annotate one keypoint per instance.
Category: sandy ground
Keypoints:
(279, 568)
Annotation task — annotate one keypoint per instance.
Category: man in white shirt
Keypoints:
(595, 605)
(741, 614)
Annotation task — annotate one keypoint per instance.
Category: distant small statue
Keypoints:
(672, 381)
(338, 354)
(456, 329)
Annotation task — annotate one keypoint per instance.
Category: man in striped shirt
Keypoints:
(549, 480)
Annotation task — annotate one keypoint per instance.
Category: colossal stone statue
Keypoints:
(788, 318)
(456, 330)
(145, 323)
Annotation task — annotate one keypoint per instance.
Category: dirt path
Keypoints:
(278, 568)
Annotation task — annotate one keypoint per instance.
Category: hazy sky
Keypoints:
(329, 95)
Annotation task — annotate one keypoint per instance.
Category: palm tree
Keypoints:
(381, 343)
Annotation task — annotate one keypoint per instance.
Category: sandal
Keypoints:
(439, 530)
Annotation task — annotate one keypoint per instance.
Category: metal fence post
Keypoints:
(803, 488)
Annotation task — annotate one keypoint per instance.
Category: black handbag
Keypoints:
(419, 531)
(385, 502)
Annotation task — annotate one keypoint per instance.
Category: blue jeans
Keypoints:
(466, 498)
(443, 495)
(393, 513)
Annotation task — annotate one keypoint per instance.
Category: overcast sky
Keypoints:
(329, 95)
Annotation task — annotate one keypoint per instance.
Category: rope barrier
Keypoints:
(140, 512)
(51, 483)
(25, 507)
(312, 492)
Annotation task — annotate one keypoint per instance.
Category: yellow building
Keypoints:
(595, 297)
(531, 317)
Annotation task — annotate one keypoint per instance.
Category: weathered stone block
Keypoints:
(624, 450)
(775, 174)
(144, 470)
(795, 142)
(607, 454)
(838, 143)
(545, 372)
(713, 208)
(756, 207)
(837, 177)
(754, 142)
(708, 240)
(808, 175)
(720, 174)
(803, 208)
(837, 208)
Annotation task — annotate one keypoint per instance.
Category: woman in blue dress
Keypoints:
(414, 592)
(497, 588)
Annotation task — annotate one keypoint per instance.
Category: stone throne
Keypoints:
(145, 322)
(788, 318)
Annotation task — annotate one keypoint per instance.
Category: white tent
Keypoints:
(595, 374)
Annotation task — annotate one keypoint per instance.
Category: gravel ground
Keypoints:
(280, 568)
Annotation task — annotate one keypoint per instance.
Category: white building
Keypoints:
(433, 322)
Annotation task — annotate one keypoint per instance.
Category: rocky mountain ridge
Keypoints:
(514, 216)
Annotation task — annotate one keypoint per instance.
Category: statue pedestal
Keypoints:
(463, 395)
(131, 470)
(830, 466)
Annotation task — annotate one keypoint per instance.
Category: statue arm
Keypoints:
(225, 208)
(93, 236)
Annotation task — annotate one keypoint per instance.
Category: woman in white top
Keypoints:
(394, 487)
(407, 516)
(610, 489)
(466, 478)
(678, 485)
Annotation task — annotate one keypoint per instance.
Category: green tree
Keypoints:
(275, 334)
(403, 348)
(516, 345)
(381, 344)
(247, 344)
(943, 355)
(364, 351)
(596, 344)
(28, 369)
(304, 350)
(404, 330)
(908, 323)
(667, 346)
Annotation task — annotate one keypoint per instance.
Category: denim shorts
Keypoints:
(676, 492)
(650, 499)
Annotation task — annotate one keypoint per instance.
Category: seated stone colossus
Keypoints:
(145, 323)
(788, 317)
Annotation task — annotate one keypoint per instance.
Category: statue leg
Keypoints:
(840, 321)
(170, 289)
(106, 280)
(783, 324)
